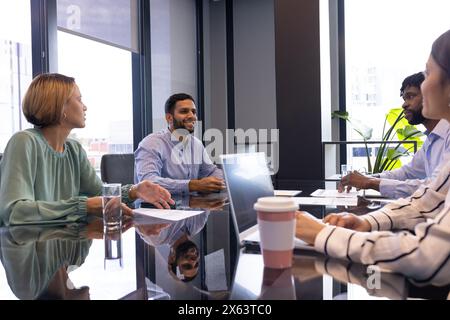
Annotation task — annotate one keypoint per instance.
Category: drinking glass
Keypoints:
(111, 202)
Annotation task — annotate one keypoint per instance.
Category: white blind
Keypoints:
(111, 22)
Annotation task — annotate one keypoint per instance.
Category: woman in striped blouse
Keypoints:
(420, 246)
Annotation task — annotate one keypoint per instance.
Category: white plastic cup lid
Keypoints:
(275, 204)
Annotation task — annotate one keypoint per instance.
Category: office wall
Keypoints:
(276, 67)
(331, 162)
(239, 68)
(215, 68)
(297, 51)
(254, 64)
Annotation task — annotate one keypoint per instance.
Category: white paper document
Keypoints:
(335, 194)
(381, 200)
(286, 193)
(318, 201)
(370, 193)
(166, 214)
(335, 177)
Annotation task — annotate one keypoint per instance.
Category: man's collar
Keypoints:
(179, 136)
(441, 129)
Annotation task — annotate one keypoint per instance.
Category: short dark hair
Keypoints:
(180, 250)
(173, 99)
(414, 80)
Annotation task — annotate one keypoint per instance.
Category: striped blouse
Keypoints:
(420, 246)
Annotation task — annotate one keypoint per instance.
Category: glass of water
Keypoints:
(113, 250)
(111, 202)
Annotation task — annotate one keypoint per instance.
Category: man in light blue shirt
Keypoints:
(174, 158)
(402, 182)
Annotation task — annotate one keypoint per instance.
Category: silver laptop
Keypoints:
(247, 178)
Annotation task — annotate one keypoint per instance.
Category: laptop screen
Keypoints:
(247, 178)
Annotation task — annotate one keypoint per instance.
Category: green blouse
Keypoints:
(40, 185)
(32, 255)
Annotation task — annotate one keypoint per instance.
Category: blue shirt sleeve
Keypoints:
(208, 168)
(397, 189)
(414, 170)
(149, 163)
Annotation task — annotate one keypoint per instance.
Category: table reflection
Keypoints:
(37, 261)
(195, 258)
(183, 254)
(277, 284)
(378, 283)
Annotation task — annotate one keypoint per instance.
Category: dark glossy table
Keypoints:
(195, 259)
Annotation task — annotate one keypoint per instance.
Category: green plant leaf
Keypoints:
(393, 154)
(390, 160)
(410, 133)
(396, 164)
(364, 131)
(395, 116)
(407, 132)
(340, 115)
(396, 128)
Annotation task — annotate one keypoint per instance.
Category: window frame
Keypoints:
(45, 59)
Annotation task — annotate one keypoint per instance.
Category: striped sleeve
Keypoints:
(392, 286)
(424, 256)
(406, 213)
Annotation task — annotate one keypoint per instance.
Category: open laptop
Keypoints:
(247, 178)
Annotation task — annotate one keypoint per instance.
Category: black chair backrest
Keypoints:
(117, 168)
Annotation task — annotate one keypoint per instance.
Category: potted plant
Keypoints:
(389, 154)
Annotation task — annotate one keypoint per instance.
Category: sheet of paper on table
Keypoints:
(319, 201)
(330, 193)
(172, 215)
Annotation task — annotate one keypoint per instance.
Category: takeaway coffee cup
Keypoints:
(276, 222)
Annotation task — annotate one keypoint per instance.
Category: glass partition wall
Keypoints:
(385, 41)
(95, 41)
(103, 74)
(173, 39)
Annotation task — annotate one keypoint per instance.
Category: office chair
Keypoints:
(117, 168)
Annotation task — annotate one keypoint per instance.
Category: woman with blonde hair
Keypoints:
(421, 247)
(45, 177)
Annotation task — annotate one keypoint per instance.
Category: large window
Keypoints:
(15, 66)
(102, 70)
(385, 41)
(103, 74)
(174, 53)
(15, 76)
